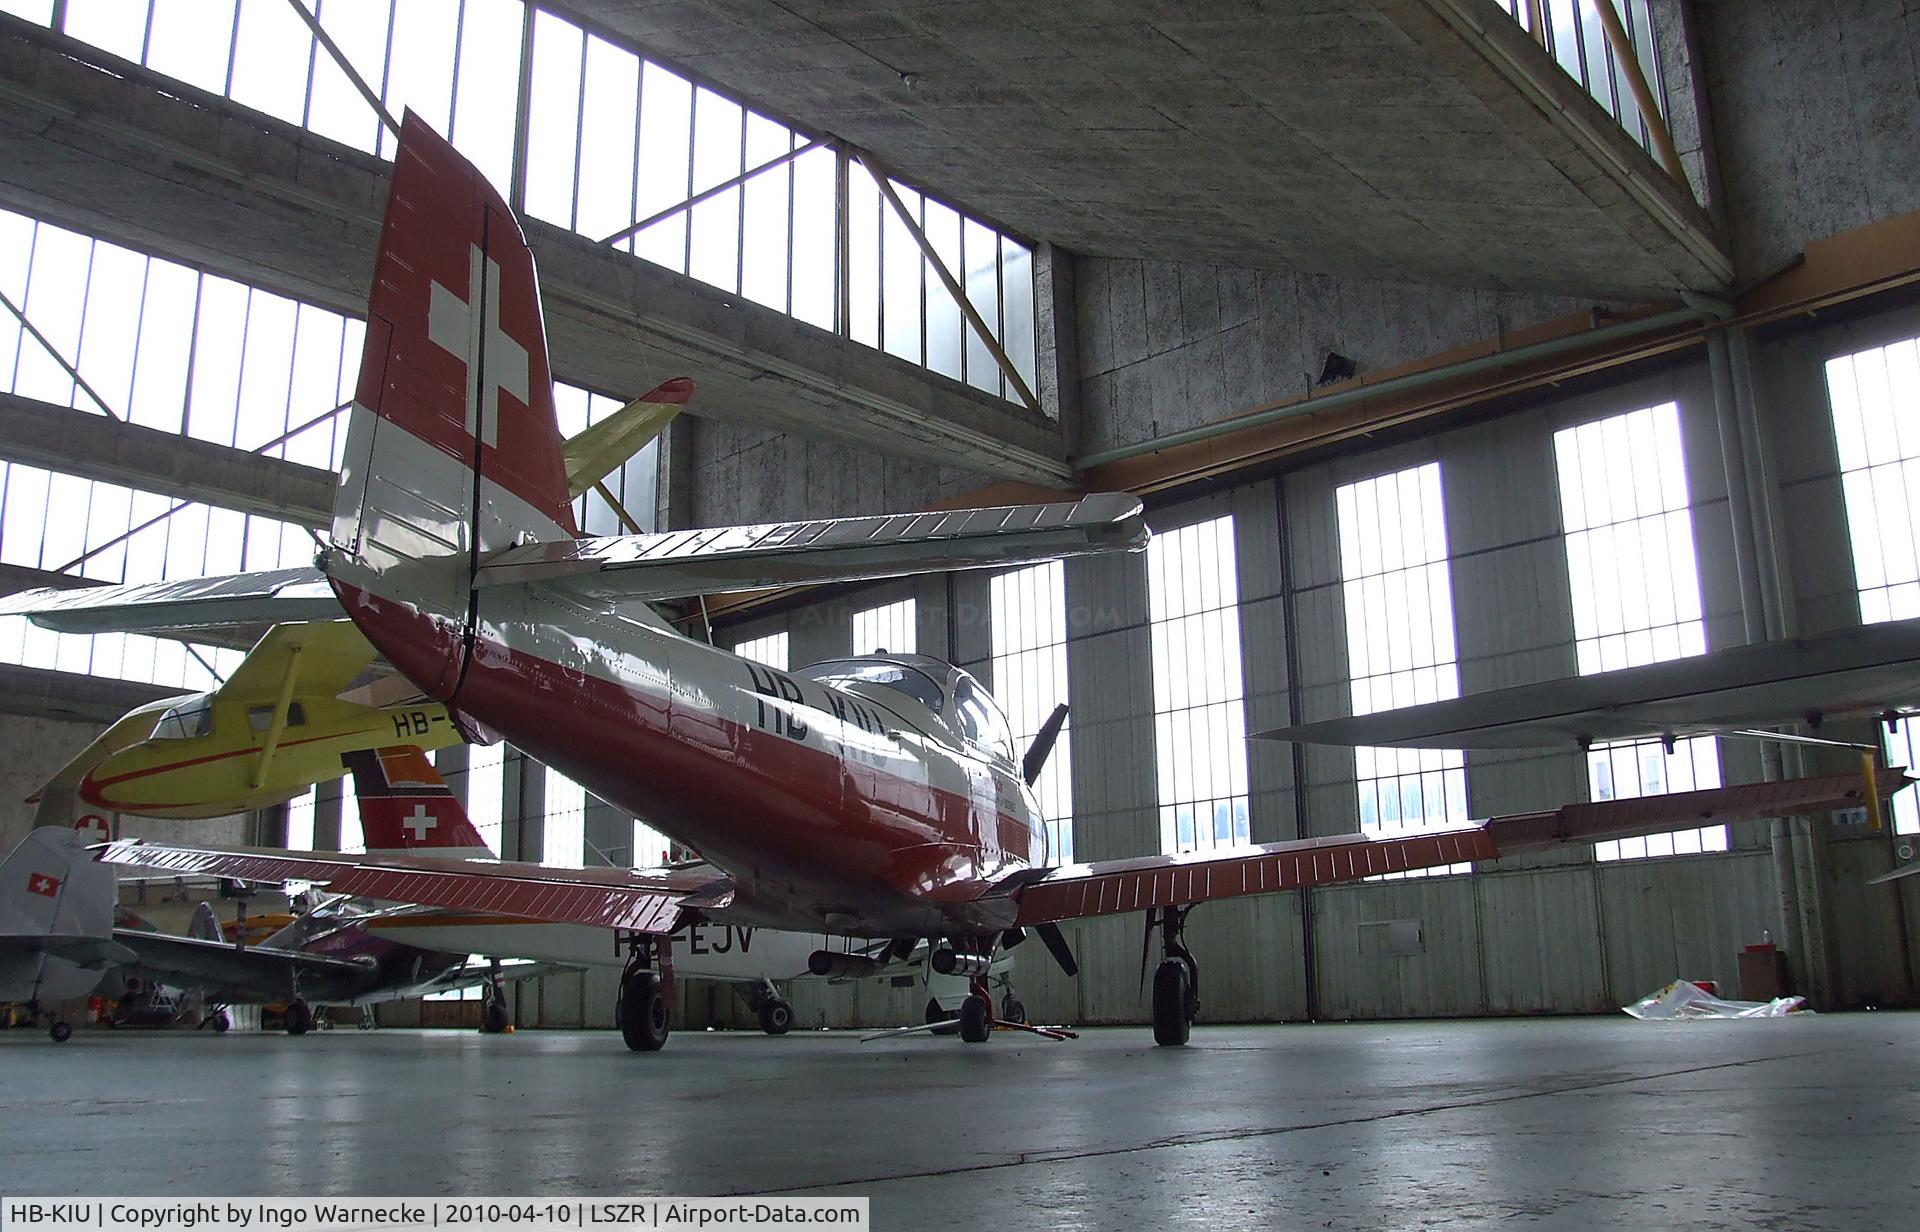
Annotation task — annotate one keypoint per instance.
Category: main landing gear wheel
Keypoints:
(220, 1022)
(61, 1032)
(1171, 998)
(643, 1011)
(776, 1017)
(1012, 1009)
(976, 1019)
(298, 1018)
(493, 1017)
(1176, 981)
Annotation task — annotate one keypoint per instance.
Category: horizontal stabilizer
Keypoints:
(248, 602)
(1870, 670)
(602, 448)
(678, 564)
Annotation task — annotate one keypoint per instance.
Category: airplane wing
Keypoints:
(92, 953)
(234, 610)
(676, 564)
(592, 454)
(645, 900)
(1869, 670)
(1112, 887)
(473, 975)
(224, 968)
(331, 655)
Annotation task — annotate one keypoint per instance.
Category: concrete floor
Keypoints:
(1810, 1122)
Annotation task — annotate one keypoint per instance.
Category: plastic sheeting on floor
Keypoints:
(1684, 999)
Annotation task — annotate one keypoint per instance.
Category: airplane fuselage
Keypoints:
(836, 802)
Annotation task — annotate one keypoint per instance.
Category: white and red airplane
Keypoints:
(875, 797)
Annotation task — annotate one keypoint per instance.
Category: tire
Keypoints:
(776, 1017)
(975, 1020)
(220, 1023)
(1170, 997)
(61, 1032)
(1012, 1009)
(936, 1014)
(493, 1018)
(298, 1018)
(643, 1012)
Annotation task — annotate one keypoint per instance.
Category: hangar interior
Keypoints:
(1442, 363)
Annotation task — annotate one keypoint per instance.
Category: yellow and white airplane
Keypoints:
(305, 694)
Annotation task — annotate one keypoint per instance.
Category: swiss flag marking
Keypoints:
(43, 885)
(420, 823)
(476, 339)
(93, 828)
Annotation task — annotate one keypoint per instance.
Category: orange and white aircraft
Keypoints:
(875, 797)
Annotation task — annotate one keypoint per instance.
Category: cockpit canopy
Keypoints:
(190, 719)
(950, 693)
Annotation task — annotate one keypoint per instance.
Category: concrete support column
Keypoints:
(452, 763)
(523, 790)
(1110, 678)
(673, 495)
(270, 826)
(326, 815)
(608, 835)
(1058, 354)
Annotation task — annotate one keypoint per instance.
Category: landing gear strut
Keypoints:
(643, 1007)
(1176, 981)
(773, 1010)
(493, 1003)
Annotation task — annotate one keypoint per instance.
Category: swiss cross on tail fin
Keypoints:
(43, 885)
(406, 807)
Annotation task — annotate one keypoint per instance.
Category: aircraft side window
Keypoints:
(259, 718)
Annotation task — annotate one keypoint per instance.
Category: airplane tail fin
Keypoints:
(49, 886)
(205, 924)
(453, 449)
(406, 808)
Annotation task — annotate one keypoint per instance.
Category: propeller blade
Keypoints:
(1056, 943)
(1042, 747)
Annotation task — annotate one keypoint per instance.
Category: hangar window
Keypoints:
(564, 830)
(618, 148)
(1028, 616)
(889, 627)
(633, 484)
(651, 848)
(1636, 599)
(1572, 33)
(486, 781)
(1398, 596)
(168, 348)
(1875, 396)
(300, 820)
(353, 837)
(770, 649)
(1200, 727)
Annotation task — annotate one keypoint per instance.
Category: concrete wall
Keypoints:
(1815, 112)
(1165, 346)
(743, 474)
